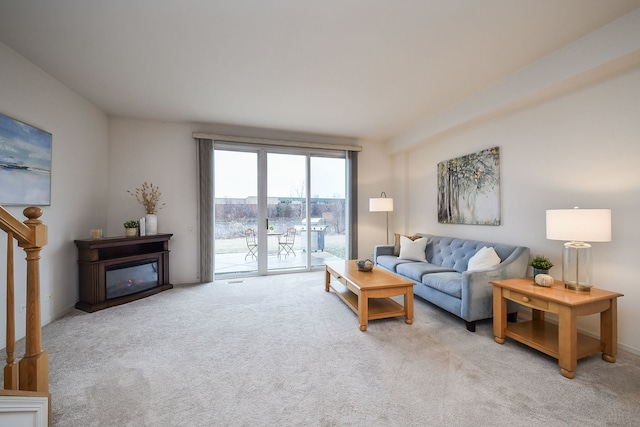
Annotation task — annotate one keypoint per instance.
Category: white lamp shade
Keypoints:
(381, 204)
(579, 225)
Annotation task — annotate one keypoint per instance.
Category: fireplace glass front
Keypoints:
(127, 279)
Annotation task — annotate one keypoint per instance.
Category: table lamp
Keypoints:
(578, 226)
(382, 204)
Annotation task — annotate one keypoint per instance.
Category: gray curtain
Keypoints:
(352, 204)
(205, 168)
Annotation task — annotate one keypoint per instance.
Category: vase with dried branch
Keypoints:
(148, 195)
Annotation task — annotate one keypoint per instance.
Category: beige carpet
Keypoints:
(279, 350)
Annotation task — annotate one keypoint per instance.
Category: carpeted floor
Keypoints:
(279, 350)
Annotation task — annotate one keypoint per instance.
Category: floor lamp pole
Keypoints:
(387, 213)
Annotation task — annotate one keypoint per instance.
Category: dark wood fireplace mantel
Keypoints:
(97, 256)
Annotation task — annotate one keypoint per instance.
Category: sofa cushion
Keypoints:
(448, 282)
(416, 270)
(484, 258)
(413, 249)
(391, 262)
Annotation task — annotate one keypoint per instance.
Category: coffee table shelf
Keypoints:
(379, 308)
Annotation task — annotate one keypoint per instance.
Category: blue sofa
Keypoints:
(444, 280)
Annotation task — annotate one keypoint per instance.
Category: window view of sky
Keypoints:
(237, 175)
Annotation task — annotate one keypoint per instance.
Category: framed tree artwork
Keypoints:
(25, 164)
(469, 189)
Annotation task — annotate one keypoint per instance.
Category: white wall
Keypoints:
(79, 180)
(577, 149)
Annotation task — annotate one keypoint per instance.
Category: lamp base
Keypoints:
(577, 267)
(578, 287)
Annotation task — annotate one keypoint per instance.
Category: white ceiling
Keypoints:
(357, 68)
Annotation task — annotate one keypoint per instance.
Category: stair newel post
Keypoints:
(34, 366)
(11, 368)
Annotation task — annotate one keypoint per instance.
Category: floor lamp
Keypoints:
(382, 204)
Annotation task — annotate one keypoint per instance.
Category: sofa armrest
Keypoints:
(381, 250)
(477, 292)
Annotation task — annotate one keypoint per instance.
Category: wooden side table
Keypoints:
(562, 341)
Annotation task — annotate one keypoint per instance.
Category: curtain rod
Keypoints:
(276, 142)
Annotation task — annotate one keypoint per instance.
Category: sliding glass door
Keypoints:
(235, 212)
(277, 210)
(327, 231)
(286, 210)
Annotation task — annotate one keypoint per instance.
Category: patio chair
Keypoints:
(285, 243)
(252, 243)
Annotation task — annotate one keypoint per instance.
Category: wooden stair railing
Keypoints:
(31, 373)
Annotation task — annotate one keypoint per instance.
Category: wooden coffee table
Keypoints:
(368, 293)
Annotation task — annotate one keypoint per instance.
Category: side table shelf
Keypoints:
(543, 336)
(562, 341)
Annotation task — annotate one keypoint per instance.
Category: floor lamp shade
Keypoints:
(578, 226)
(382, 204)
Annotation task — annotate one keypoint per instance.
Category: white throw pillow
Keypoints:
(396, 243)
(484, 258)
(413, 249)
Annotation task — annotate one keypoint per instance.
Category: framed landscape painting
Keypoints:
(469, 189)
(25, 164)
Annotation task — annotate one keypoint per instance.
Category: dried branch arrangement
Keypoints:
(148, 196)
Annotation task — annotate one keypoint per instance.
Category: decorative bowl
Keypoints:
(364, 264)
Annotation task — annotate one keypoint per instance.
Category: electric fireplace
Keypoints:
(127, 279)
(117, 270)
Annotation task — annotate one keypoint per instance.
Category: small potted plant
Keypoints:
(131, 228)
(541, 265)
